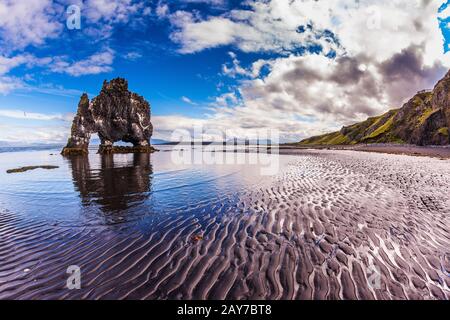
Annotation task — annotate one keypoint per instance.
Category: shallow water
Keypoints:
(145, 227)
(99, 189)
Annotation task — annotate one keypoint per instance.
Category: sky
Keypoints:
(300, 67)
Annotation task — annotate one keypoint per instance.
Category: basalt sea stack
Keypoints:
(116, 114)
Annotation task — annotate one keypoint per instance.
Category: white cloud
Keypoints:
(9, 84)
(211, 2)
(23, 135)
(312, 94)
(94, 64)
(20, 114)
(385, 52)
(8, 63)
(97, 63)
(162, 10)
(52, 89)
(41, 128)
(132, 56)
(188, 101)
(237, 122)
(24, 23)
(118, 11)
(383, 27)
(196, 36)
(235, 69)
(100, 17)
(266, 26)
(226, 100)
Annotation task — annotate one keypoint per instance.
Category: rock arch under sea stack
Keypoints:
(116, 114)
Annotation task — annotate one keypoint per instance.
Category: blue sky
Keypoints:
(300, 67)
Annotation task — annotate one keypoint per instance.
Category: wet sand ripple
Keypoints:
(319, 230)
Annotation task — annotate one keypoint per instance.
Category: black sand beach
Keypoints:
(401, 149)
(331, 225)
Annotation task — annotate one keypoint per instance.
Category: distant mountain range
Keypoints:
(96, 142)
(8, 147)
(27, 145)
(423, 120)
(159, 141)
(228, 142)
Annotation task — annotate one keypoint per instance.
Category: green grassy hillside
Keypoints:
(423, 120)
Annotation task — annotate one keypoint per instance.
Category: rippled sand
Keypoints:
(322, 229)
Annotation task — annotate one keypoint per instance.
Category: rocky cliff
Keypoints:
(423, 120)
(116, 114)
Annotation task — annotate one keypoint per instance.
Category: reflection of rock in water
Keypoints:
(114, 188)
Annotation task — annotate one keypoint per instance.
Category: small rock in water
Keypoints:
(26, 270)
(197, 237)
(28, 168)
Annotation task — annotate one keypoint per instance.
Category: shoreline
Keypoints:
(441, 152)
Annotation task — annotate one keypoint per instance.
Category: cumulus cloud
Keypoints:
(8, 63)
(97, 63)
(331, 62)
(52, 89)
(162, 10)
(406, 72)
(235, 69)
(94, 64)
(118, 11)
(132, 56)
(12, 83)
(45, 128)
(377, 28)
(364, 58)
(8, 84)
(20, 114)
(274, 26)
(210, 2)
(188, 101)
(24, 23)
(20, 135)
(197, 36)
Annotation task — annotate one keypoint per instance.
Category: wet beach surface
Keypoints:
(329, 225)
(441, 152)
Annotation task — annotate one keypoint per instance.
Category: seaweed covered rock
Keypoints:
(116, 114)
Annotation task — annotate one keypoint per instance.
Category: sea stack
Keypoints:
(116, 114)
